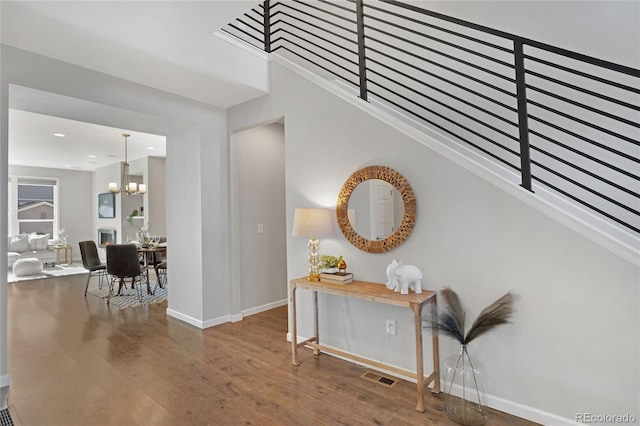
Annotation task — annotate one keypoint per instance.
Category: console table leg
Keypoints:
(417, 313)
(294, 327)
(315, 322)
(435, 346)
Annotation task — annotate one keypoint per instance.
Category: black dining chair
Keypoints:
(91, 262)
(122, 263)
(161, 269)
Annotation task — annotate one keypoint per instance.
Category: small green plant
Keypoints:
(328, 261)
(131, 216)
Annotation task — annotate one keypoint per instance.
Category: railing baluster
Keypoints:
(267, 26)
(581, 109)
(362, 65)
(523, 125)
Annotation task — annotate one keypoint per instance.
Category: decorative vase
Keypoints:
(330, 270)
(342, 266)
(463, 403)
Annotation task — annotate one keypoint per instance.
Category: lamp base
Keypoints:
(314, 260)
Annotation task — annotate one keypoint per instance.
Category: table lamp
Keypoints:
(313, 223)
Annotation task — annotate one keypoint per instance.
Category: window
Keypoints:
(33, 206)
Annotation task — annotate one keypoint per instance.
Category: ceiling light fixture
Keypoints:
(60, 135)
(125, 182)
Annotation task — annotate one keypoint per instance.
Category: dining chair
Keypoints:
(162, 274)
(123, 262)
(91, 262)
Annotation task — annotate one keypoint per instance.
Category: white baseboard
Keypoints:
(257, 310)
(526, 412)
(495, 402)
(196, 322)
(216, 321)
(4, 380)
(186, 318)
(225, 318)
(237, 317)
(263, 308)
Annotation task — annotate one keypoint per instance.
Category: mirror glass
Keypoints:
(376, 209)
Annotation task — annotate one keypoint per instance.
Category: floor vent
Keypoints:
(5, 418)
(380, 379)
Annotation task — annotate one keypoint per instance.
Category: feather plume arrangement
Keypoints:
(451, 321)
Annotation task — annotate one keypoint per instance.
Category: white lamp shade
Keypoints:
(312, 223)
(113, 187)
(142, 188)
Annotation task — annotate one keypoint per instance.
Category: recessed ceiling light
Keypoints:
(67, 165)
(92, 156)
(150, 148)
(60, 135)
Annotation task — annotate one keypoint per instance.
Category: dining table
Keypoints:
(150, 256)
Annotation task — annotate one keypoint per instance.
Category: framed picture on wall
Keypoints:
(106, 205)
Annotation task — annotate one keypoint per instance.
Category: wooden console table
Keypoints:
(380, 294)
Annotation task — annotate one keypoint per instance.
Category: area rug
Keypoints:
(130, 297)
(55, 272)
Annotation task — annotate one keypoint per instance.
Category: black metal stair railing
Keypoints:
(564, 120)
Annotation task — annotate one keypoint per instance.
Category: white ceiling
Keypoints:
(168, 45)
(162, 44)
(85, 146)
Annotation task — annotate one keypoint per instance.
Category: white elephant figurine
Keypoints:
(402, 276)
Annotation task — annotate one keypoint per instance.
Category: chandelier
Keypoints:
(125, 183)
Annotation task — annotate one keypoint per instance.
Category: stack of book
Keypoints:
(336, 278)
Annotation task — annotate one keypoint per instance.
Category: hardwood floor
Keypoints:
(75, 361)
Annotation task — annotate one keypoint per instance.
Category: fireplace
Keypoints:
(106, 237)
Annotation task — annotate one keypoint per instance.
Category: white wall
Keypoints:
(606, 29)
(156, 200)
(258, 198)
(4, 208)
(213, 172)
(575, 339)
(75, 191)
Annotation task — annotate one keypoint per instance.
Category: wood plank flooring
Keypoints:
(75, 361)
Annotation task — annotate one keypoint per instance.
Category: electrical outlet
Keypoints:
(391, 327)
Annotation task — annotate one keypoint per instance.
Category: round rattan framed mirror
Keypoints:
(346, 215)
